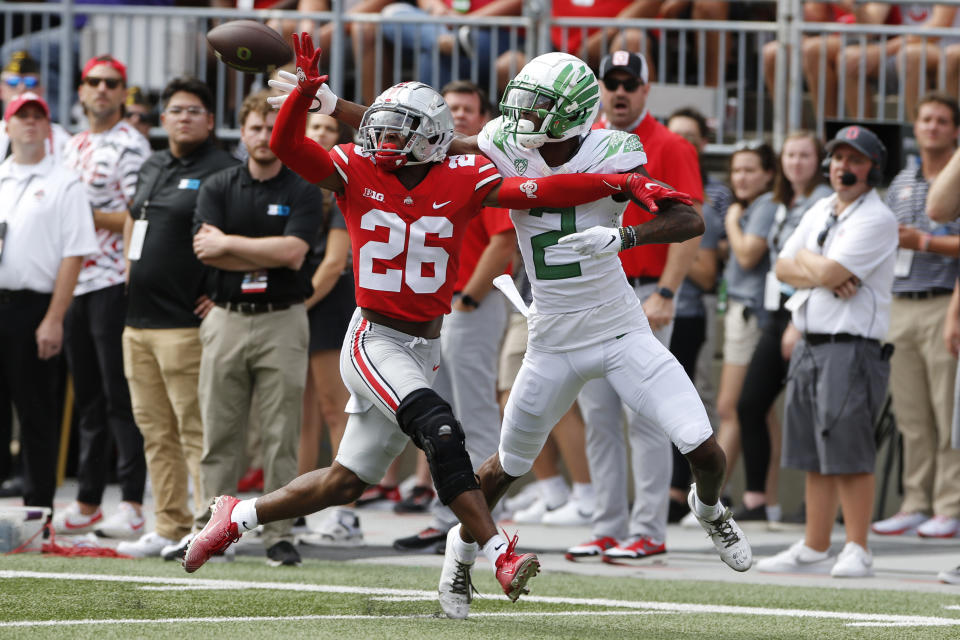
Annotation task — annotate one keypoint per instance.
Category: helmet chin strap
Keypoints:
(390, 159)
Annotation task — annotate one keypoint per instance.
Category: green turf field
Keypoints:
(49, 597)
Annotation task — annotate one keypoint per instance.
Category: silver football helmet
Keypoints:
(409, 123)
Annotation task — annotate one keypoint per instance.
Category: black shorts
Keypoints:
(330, 317)
(835, 392)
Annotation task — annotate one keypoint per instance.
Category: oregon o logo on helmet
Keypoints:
(243, 53)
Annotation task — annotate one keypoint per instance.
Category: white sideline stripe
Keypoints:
(505, 614)
(849, 617)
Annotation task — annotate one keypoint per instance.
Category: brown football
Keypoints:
(249, 46)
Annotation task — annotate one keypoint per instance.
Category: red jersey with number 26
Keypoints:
(406, 243)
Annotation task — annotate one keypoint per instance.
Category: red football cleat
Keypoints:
(513, 571)
(219, 534)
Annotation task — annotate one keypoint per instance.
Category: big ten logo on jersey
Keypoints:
(467, 160)
(370, 193)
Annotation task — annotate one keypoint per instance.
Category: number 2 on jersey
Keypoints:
(540, 242)
(418, 253)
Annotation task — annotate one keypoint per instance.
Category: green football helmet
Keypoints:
(560, 91)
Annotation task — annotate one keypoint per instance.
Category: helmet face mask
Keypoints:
(408, 124)
(554, 97)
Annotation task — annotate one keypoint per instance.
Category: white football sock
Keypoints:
(708, 512)
(245, 515)
(466, 552)
(494, 548)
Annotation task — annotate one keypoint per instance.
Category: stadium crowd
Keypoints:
(198, 301)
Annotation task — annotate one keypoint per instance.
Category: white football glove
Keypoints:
(324, 102)
(595, 241)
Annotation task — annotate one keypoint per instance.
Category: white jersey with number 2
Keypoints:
(577, 300)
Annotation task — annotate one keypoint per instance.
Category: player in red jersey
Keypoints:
(407, 206)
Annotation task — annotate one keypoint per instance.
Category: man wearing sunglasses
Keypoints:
(841, 261)
(107, 157)
(655, 271)
(19, 75)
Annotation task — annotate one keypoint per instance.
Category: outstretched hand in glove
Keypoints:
(308, 78)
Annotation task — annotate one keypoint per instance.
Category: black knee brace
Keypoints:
(428, 420)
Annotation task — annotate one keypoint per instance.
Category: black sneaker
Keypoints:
(283, 554)
(676, 511)
(756, 514)
(417, 502)
(425, 540)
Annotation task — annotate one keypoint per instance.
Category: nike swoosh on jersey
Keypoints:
(442, 204)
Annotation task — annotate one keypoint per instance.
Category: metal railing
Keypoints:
(158, 43)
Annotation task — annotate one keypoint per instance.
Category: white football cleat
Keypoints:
(726, 534)
(456, 588)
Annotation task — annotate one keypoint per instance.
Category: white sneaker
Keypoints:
(726, 534)
(456, 588)
(124, 523)
(526, 497)
(532, 514)
(177, 550)
(853, 562)
(898, 524)
(573, 513)
(799, 558)
(149, 545)
(340, 528)
(950, 576)
(689, 521)
(939, 527)
(70, 521)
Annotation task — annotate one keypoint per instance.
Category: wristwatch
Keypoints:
(469, 301)
(665, 293)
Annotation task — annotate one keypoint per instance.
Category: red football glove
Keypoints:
(308, 61)
(648, 192)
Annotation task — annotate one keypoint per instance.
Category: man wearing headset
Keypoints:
(841, 261)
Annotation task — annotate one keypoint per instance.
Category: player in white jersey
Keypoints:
(586, 321)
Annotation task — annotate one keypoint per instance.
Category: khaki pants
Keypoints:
(162, 367)
(922, 374)
(241, 353)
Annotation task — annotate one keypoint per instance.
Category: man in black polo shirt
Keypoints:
(165, 302)
(255, 224)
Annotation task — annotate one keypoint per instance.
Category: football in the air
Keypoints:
(249, 46)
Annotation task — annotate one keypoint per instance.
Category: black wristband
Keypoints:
(628, 238)
(665, 293)
(469, 301)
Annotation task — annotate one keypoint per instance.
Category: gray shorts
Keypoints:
(835, 392)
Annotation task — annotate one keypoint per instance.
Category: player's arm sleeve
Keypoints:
(557, 191)
(293, 147)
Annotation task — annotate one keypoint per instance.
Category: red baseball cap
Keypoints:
(108, 60)
(22, 100)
